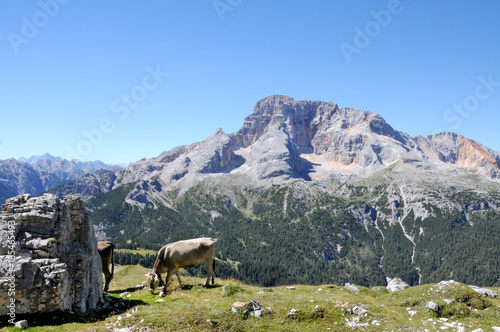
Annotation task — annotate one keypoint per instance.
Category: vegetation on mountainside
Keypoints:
(318, 308)
(293, 235)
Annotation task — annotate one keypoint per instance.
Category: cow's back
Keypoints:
(188, 253)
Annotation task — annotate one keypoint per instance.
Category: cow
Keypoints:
(181, 254)
(106, 251)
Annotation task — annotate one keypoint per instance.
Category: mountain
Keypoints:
(33, 159)
(38, 174)
(283, 140)
(306, 192)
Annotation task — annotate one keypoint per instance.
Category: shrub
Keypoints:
(455, 309)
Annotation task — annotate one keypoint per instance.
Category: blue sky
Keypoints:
(118, 81)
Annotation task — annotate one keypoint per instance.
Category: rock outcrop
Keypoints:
(49, 251)
(396, 284)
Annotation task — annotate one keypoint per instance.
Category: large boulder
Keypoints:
(396, 284)
(48, 251)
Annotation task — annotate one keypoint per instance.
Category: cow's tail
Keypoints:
(112, 260)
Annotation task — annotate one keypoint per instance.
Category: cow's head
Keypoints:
(154, 280)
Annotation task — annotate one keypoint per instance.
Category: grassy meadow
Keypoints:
(318, 308)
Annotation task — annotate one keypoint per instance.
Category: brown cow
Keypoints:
(188, 253)
(106, 251)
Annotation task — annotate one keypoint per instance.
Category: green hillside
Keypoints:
(325, 307)
(298, 234)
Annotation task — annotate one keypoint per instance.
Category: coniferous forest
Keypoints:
(275, 236)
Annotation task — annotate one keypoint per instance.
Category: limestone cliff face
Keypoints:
(301, 120)
(278, 131)
(354, 138)
(49, 252)
(460, 151)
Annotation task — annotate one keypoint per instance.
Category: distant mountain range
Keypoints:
(38, 174)
(307, 192)
(33, 159)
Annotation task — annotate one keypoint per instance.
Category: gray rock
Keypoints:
(432, 305)
(292, 313)
(254, 305)
(396, 284)
(445, 284)
(412, 312)
(358, 311)
(21, 324)
(55, 265)
(485, 292)
(352, 323)
(351, 288)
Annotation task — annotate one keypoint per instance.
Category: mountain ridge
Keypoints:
(320, 192)
(284, 139)
(38, 174)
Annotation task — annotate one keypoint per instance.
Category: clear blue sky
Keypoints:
(118, 81)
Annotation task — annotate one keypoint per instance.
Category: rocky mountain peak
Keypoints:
(33, 159)
(464, 152)
(301, 118)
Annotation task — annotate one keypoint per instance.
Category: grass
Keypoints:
(196, 308)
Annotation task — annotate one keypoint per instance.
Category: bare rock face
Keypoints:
(49, 251)
(360, 138)
(301, 120)
(455, 149)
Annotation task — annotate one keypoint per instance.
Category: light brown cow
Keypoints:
(106, 251)
(188, 253)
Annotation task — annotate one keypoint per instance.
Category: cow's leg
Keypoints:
(213, 270)
(108, 280)
(170, 271)
(107, 276)
(208, 266)
(178, 278)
